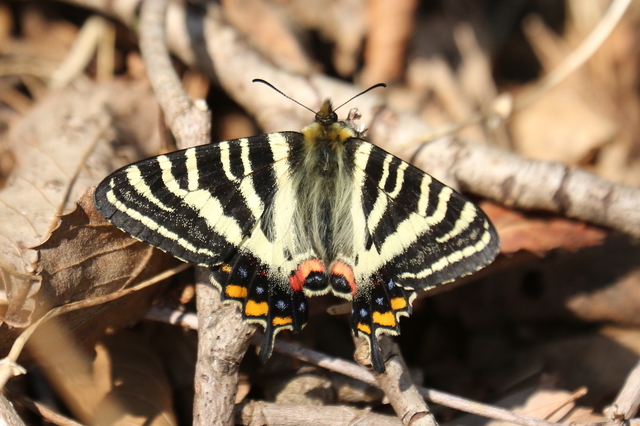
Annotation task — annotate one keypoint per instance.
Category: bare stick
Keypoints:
(398, 387)
(223, 337)
(81, 52)
(579, 56)
(628, 400)
(190, 123)
(264, 413)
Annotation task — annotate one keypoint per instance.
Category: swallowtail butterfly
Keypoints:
(283, 216)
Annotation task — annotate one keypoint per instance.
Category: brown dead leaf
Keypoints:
(341, 23)
(539, 402)
(387, 40)
(561, 126)
(52, 147)
(87, 257)
(261, 23)
(123, 384)
(60, 148)
(538, 235)
(135, 378)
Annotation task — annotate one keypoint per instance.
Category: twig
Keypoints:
(9, 363)
(81, 52)
(223, 339)
(628, 400)
(578, 56)
(190, 123)
(357, 372)
(264, 413)
(45, 412)
(8, 414)
(398, 387)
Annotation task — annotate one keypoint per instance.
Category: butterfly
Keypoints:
(283, 216)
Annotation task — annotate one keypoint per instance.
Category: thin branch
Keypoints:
(264, 413)
(81, 52)
(190, 123)
(9, 363)
(404, 396)
(223, 339)
(628, 400)
(579, 56)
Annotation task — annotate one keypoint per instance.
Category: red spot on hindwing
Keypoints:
(344, 274)
(306, 268)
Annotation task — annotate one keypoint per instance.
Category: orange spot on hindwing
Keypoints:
(309, 275)
(342, 280)
(398, 303)
(364, 328)
(256, 309)
(384, 319)
(235, 291)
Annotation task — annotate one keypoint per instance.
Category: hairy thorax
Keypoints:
(324, 194)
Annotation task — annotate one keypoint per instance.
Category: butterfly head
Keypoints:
(326, 116)
(326, 130)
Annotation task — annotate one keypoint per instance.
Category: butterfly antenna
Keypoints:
(259, 80)
(375, 86)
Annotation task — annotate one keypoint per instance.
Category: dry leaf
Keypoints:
(52, 146)
(561, 126)
(60, 148)
(519, 231)
(86, 257)
(135, 378)
(261, 23)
